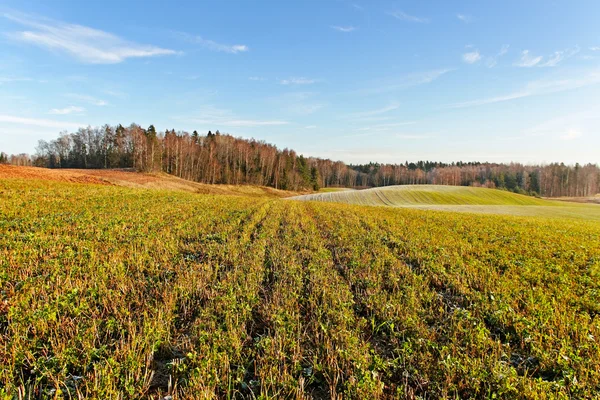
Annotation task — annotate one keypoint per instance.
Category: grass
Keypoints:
(113, 292)
(138, 180)
(334, 189)
(460, 199)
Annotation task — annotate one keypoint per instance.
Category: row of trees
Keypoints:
(23, 159)
(216, 158)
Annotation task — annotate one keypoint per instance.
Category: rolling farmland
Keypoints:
(113, 292)
(459, 199)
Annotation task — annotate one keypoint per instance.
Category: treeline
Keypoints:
(221, 158)
(22, 160)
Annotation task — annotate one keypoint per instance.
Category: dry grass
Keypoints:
(589, 200)
(56, 175)
(132, 179)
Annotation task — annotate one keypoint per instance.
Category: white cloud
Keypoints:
(10, 80)
(67, 110)
(536, 88)
(85, 44)
(310, 127)
(401, 15)
(527, 60)
(298, 103)
(212, 45)
(345, 29)
(464, 18)
(568, 126)
(471, 57)
(595, 48)
(297, 81)
(115, 93)
(403, 82)
(44, 123)
(386, 127)
(493, 61)
(88, 99)
(391, 107)
(571, 135)
(559, 56)
(216, 117)
(410, 136)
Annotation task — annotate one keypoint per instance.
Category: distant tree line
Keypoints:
(221, 158)
(22, 159)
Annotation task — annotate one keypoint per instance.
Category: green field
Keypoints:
(118, 293)
(459, 199)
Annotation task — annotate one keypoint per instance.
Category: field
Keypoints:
(461, 199)
(130, 179)
(111, 292)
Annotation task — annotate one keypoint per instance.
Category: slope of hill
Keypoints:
(132, 179)
(459, 199)
(411, 195)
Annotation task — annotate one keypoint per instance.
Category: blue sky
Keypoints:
(356, 81)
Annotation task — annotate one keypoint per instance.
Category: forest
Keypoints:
(217, 158)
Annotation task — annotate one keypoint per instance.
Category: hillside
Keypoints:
(459, 199)
(140, 180)
(116, 292)
(411, 195)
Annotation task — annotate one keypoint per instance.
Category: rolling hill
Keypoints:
(459, 199)
(138, 180)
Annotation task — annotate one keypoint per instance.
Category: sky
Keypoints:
(357, 81)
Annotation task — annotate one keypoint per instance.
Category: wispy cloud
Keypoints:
(464, 18)
(595, 48)
(413, 136)
(88, 99)
(10, 80)
(392, 84)
(559, 56)
(310, 127)
(114, 93)
(44, 123)
(536, 88)
(387, 126)
(569, 126)
(297, 81)
(529, 61)
(471, 57)
(297, 103)
(491, 62)
(383, 110)
(401, 15)
(212, 45)
(67, 110)
(345, 29)
(85, 44)
(216, 117)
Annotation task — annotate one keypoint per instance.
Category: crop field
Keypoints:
(460, 199)
(109, 292)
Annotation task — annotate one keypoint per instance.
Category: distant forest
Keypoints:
(221, 158)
